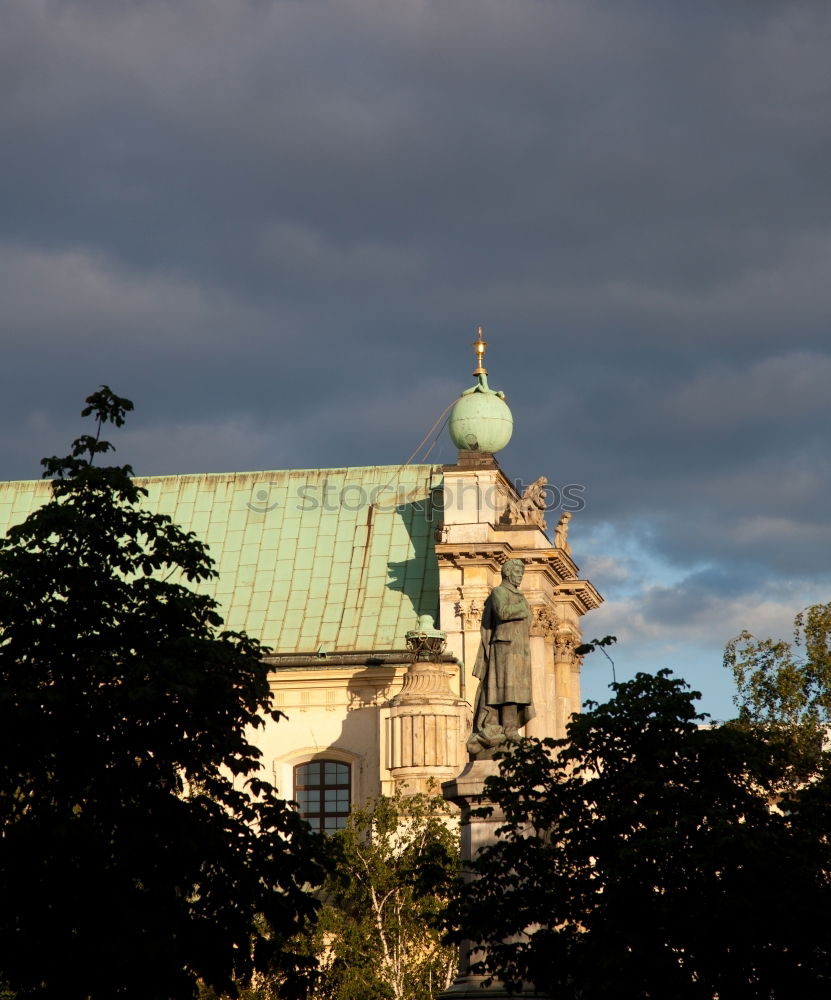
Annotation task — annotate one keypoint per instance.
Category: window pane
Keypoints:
(309, 774)
(336, 774)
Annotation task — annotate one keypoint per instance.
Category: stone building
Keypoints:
(332, 568)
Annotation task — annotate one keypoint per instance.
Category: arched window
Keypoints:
(321, 790)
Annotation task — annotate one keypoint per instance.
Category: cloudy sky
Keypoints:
(275, 225)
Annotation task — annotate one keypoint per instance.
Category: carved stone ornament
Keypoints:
(530, 507)
(543, 622)
(424, 682)
(473, 613)
(470, 611)
(564, 646)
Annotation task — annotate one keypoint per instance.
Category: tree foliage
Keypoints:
(138, 842)
(784, 688)
(642, 857)
(377, 937)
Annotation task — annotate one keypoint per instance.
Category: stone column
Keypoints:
(467, 791)
(574, 689)
(566, 681)
(538, 727)
(544, 722)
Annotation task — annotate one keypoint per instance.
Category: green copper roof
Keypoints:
(333, 559)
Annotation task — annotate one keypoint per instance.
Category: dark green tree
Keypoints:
(644, 857)
(140, 850)
(378, 937)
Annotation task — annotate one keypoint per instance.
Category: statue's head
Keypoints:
(513, 571)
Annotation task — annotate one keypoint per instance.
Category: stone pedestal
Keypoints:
(428, 726)
(466, 791)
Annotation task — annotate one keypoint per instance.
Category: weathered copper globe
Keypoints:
(481, 421)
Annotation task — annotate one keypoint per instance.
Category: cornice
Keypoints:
(477, 553)
(581, 592)
(360, 659)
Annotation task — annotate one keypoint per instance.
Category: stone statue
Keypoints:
(532, 504)
(503, 666)
(530, 507)
(561, 533)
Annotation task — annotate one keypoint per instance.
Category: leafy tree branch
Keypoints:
(139, 842)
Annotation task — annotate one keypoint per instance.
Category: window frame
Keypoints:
(331, 788)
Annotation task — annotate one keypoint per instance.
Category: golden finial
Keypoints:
(479, 345)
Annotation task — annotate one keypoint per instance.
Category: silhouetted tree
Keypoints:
(139, 845)
(648, 856)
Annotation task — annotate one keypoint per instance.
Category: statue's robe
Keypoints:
(503, 663)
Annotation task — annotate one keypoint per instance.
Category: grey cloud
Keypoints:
(358, 121)
(276, 225)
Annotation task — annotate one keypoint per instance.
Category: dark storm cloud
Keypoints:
(276, 224)
(223, 136)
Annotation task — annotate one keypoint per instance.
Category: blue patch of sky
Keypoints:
(621, 564)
